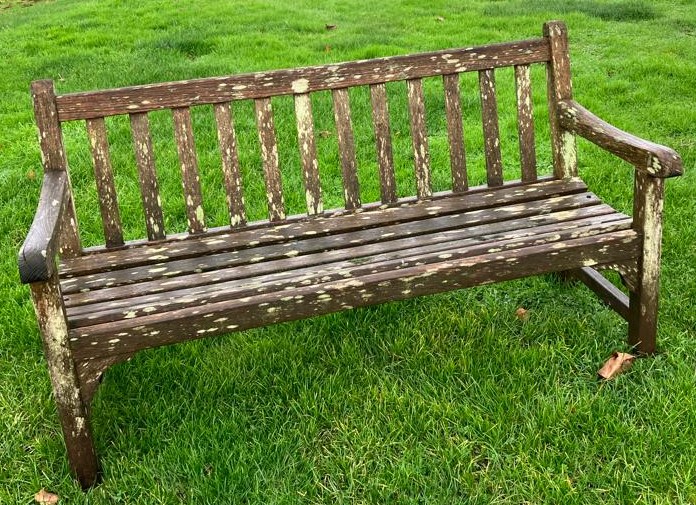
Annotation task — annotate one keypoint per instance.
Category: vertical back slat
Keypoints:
(346, 147)
(525, 123)
(419, 136)
(308, 153)
(455, 132)
(385, 156)
(491, 136)
(186, 148)
(230, 164)
(103, 175)
(149, 189)
(559, 88)
(269, 156)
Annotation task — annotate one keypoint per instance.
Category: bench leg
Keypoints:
(72, 410)
(647, 220)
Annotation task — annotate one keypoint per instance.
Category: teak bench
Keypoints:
(98, 306)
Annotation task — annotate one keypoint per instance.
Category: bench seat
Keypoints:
(173, 291)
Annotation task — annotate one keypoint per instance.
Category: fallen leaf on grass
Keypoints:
(330, 27)
(522, 314)
(618, 362)
(325, 134)
(44, 496)
(327, 49)
(440, 19)
(31, 175)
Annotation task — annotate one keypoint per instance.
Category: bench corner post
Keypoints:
(647, 221)
(559, 87)
(72, 409)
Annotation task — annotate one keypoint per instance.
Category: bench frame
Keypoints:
(54, 231)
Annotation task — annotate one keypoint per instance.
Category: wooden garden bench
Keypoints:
(98, 306)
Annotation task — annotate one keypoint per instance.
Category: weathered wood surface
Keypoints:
(419, 138)
(308, 154)
(525, 123)
(648, 204)
(605, 290)
(149, 188)
(293, 81)
(559, 88)
(269, 157)
(320, 226)
(37, 256)
(231, 171)
(491, 135)
(131, 334)
(653, 159)
(188, 161)
(562, 213)
(455, 133)
(346, 148)
(72, 410)
(53, 158)
(383, 143)
(103, 175)
(427, 251)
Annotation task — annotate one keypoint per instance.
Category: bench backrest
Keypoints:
(222, 92)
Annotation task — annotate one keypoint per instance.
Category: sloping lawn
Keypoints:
(443, 399)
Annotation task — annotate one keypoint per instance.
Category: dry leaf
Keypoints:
(440, 19)
(325, 134)
(522, 314)
(330, 27)
(44, 496)
(327, 49)
(31, 175)
(618, 362)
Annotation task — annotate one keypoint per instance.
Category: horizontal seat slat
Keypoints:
(427, 251)
(309, 244)
(132, 334)
(476, 228)
(124, 258)
(150, 97)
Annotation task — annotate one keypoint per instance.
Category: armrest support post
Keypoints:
(647, 221)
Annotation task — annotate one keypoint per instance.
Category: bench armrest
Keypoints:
(37, 256)
(654, 159)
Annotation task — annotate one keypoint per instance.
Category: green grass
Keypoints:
(443, 399)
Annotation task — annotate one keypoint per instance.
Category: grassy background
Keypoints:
(442, 399)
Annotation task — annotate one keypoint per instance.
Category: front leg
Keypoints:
(72, 410)
(647, 220)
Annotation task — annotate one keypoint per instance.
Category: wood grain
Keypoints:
(149, 188)
(647, 157)
(525, 123)
(419, 138)
(300, 80)
(559, 88)
(231, 171)
(455, 133)
(53, 158)
(491, 135)
(269, 156)
(346, 148)
(188, 161)
(308, 154)
(383, 143)
(106, 189)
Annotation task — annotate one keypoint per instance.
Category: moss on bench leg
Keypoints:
(72, 409)
(647, 220)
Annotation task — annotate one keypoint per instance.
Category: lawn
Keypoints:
(443, 399)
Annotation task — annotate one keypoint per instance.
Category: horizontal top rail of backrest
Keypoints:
(93, 104)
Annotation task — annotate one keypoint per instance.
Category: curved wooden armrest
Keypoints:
(37, 255)
(654, 159)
